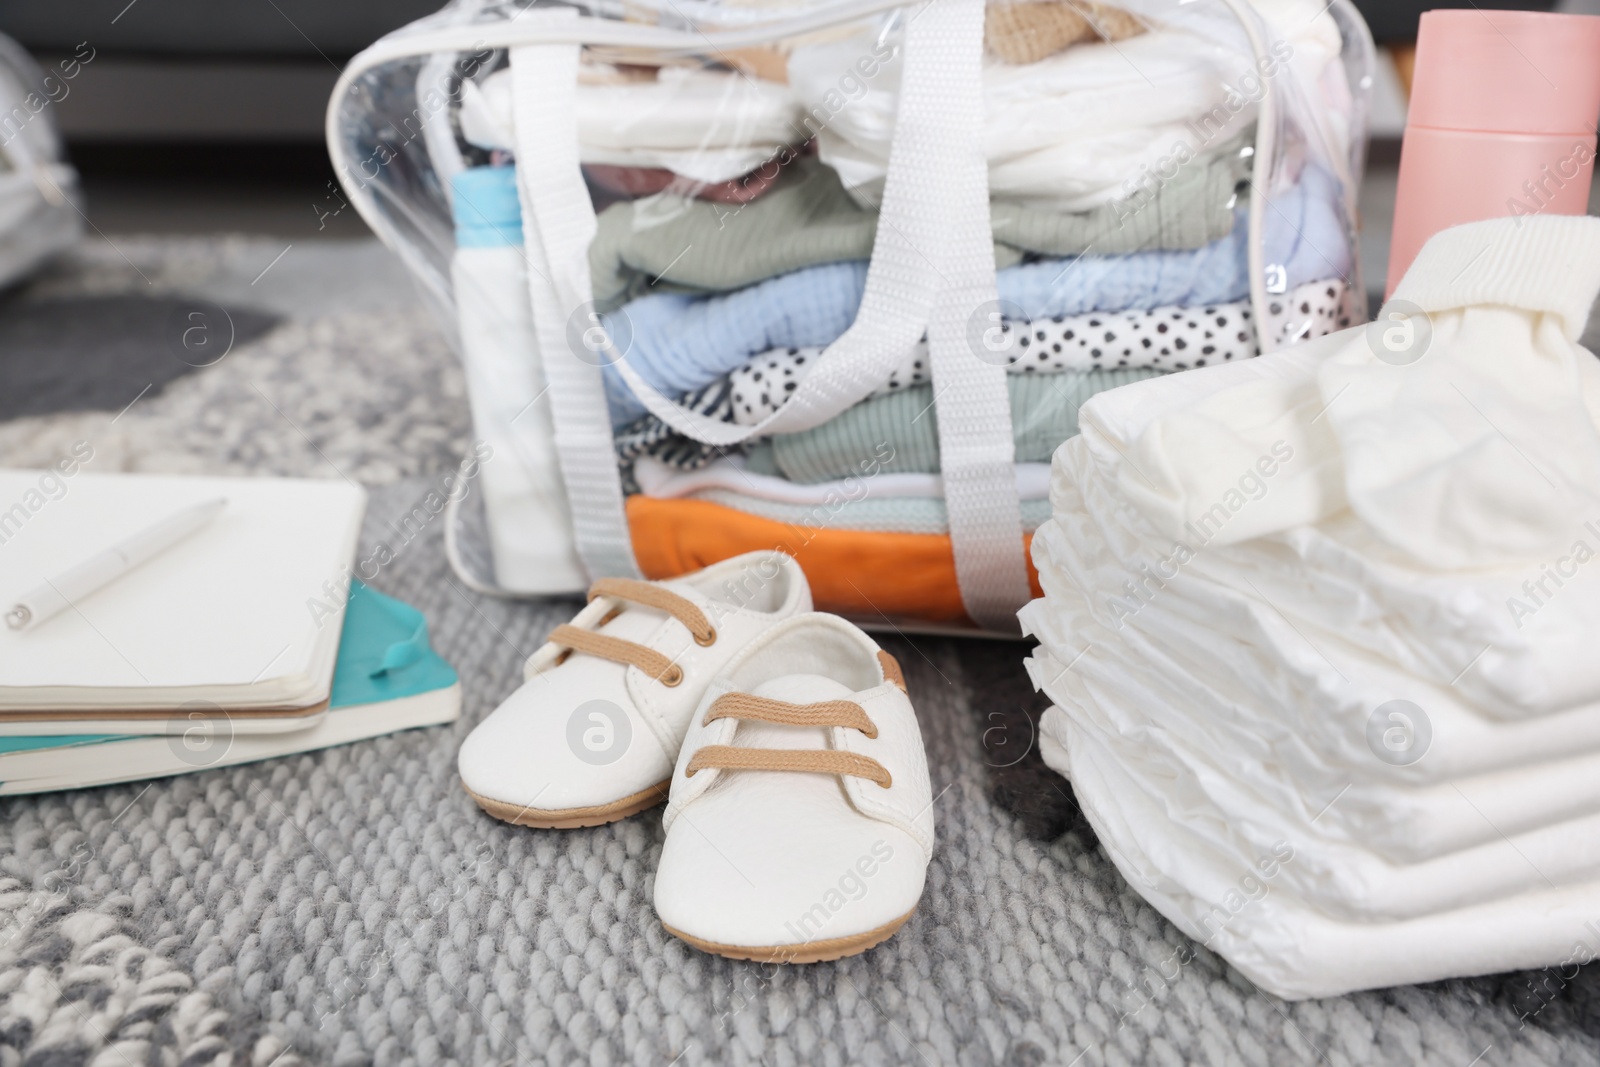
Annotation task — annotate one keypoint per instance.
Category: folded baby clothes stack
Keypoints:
(737, 213)
(679, 342)
(1105, 279)
(1316, 629)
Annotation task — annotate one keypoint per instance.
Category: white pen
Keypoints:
(100, 570)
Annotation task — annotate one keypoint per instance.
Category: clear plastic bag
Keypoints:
(761, 306)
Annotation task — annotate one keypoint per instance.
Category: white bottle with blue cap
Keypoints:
(530, 521)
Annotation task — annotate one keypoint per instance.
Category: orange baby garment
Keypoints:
(863, 574)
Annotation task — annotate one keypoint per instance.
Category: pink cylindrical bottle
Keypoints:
(1501, 122)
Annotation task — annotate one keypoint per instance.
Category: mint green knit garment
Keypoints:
(900, 430)
(682, 243)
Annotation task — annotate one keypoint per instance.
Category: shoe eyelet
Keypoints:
(708, 640)
(673, 677)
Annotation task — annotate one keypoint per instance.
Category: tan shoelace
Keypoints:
(845, 713)
(631, 653)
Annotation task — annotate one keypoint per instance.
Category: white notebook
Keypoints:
(244, 614)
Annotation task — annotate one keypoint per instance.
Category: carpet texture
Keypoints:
(95, 352)
(354, 906)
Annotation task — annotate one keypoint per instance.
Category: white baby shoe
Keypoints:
(592, 733)
(801, 822)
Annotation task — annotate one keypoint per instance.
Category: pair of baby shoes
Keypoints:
(799, 815)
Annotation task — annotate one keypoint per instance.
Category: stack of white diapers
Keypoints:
(1322, 630)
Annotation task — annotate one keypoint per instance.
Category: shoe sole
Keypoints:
(572, 818)
(836, 948)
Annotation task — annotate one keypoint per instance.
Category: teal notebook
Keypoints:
(384, 659)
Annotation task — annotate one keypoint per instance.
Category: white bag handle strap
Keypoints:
(558, 226)
(977, 453)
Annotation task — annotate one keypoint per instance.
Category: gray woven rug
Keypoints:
(354, 906)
